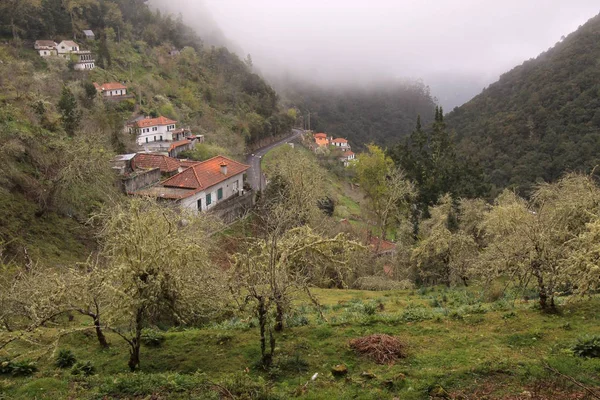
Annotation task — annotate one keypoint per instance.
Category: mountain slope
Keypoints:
(52, 177)
(540, 119)
(381, 113)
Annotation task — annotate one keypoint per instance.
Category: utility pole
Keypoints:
(309, 120)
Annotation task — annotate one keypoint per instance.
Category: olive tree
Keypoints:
(532, 240)
(156, 263)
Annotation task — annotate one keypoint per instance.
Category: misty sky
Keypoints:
(449, 44)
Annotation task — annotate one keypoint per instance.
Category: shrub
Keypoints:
(380, 283)
(295, 320)
(587, 347)
(22, 368)
(65, 359)
(83, 369)
(152, 337)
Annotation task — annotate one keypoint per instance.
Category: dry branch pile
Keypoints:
(383, 349)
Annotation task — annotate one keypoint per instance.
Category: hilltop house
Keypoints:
(111, 89)
(203, 185)
(159, 129)
(46, 48)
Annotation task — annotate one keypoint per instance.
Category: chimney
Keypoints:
(223, 168)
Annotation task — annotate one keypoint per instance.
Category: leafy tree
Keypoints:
(156, 264)
(445, 252)
(530, 240)
(69, 110)
(388, 191)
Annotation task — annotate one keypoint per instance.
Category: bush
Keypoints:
(20, 368)
(295, 320)
(83, 369)
(381, 283)
(587, 347)
(152, 337)
(65, 359)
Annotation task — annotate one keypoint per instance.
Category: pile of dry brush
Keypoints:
(383, 349)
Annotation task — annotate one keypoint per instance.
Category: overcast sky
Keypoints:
(471, 41)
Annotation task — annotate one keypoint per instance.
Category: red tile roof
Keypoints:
(205, 174)
(146, 160)
(321, 141)
(384, 245)
(110, 86)
(320, 135)
(45, 43)
(339, 140)
(180, 143)
(147, 122)
(348, 154)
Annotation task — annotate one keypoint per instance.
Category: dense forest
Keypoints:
(57, 136)
(540, 119)
(380, 114)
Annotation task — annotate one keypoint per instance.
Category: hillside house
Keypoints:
(168, 166)
(180, 146)
(203, 185)
(46, 48)
(321, 139)
(347, 157)
(159, 129)
(341, 144)
(111, 89)
(84, 60)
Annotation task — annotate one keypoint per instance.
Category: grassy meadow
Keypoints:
(460, 343)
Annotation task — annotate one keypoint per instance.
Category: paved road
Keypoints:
(253, 160)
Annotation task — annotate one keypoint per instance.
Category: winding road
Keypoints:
(255, 176)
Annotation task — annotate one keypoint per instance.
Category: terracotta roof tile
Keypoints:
(179, 143)
(384, 245)
(145, 123)
(321, 135)
(339, 140)
(148, 160)
(205, 174)
(110, 86)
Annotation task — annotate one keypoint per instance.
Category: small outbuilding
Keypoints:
(89, 35)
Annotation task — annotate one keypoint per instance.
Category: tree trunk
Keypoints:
(134, 350)
(543, 293)
(267, 358)
(99, 333)
(280, 314)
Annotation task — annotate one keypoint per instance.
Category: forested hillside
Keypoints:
(381, 114)
(540, 119)
(57, 136)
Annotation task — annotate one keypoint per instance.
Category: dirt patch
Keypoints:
(543, 390)
(383, 349)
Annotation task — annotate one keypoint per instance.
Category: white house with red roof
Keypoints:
(341, 144)
(111, 89)
(153, 130)
(203, 185)
(347, 157)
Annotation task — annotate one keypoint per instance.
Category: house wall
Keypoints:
(228, 191)
(47, 53)
(119, 92)
(65, 50)
(154, 133)
(141, 180)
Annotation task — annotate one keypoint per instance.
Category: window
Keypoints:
(155, 138)
(220, 194)
(208, 199)
(199, 203)
(161, 138)
(146, 140)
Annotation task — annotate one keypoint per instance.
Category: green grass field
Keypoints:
(454, 338)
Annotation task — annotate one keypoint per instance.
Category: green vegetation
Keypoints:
(540, 119)
(457, 346)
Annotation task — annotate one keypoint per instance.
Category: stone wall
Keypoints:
(141, 180)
